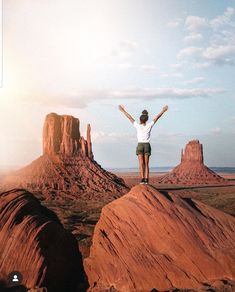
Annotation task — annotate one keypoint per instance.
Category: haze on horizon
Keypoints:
(87, 57)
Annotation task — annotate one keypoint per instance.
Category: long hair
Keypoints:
(144, 117)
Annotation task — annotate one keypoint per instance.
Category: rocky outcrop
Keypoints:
(149, 240)
(34, 243)
(67, 166)
(191, 170)
(193, 152)
(89, 144)
(61, 135)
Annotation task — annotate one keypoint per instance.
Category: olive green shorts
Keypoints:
(143, 148)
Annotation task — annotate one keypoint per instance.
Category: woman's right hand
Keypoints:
(165, 108)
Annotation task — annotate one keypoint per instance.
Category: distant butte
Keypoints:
(191, 170)
(67, 167)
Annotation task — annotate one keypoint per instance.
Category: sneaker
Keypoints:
(142, 181)
(146, 181)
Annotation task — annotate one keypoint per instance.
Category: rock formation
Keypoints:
(149, 240)
(193, 152)
(191, 170)
(67, 166)
(89, 144)
(61, 135)
(34, 243)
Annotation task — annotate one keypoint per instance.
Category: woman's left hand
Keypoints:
(121, 108)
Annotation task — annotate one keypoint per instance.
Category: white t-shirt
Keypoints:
(143, 131)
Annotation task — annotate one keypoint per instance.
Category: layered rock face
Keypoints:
(151, 240)
(191, 170)
(193, 152)
(61, 135)
(67, 166)
(34, 243)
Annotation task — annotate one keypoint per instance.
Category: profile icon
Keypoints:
(15, 278)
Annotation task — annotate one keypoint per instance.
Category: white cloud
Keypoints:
(125, 66)
(175, 22)
(144, 68)
(177, 75)
(194, 23)
(148, 68)
(219, 52)
(223, 54)
(195, 80)
(104, 137)
(131, 45)
(201, 65)
(152, 93)
(222, 19)
(219, 41)
(83, 98)
(176, 66)
(190, 51)
(193, 37)
(216, 130)
(222, 37)
(124, 49)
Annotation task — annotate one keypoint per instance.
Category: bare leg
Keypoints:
(146, 162)
(141, 163)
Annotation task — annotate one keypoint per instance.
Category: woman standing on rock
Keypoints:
(143, 149)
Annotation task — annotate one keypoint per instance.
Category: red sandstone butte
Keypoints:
(157, 240)
(34, 243)
(191, 170)
(67, 166)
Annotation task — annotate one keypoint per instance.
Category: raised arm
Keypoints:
(121, 108)
(165, 108)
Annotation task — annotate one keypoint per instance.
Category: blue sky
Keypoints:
(86, 57)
